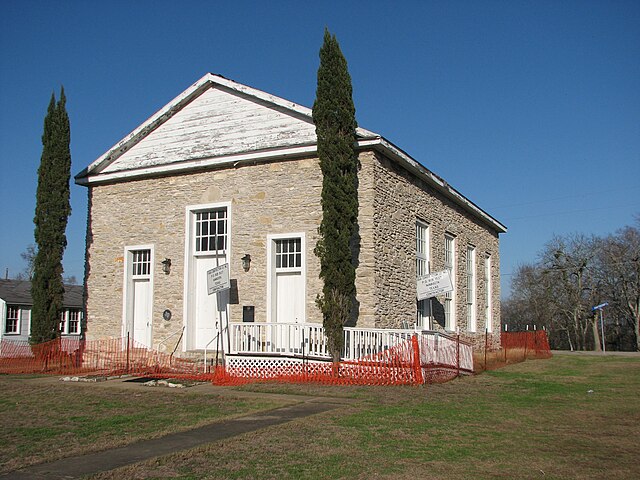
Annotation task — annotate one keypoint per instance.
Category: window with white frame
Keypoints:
(422, 268)
(211, 230)
(471, 288)
(288, 253)
(12, 323)
(70, 321)
(140, 263)
(488, 294)
(449, 297)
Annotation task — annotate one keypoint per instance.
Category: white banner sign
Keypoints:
(433, 284)
(218, 279)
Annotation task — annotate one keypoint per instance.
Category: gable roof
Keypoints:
(243, 124)
(18, 292)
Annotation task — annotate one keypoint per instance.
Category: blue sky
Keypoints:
(531, 109)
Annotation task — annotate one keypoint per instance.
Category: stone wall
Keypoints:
(400, 200)
(271, 198)
(279, 198)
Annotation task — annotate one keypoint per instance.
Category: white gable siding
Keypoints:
(217, 123)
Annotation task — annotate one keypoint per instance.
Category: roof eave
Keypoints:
(395, 153)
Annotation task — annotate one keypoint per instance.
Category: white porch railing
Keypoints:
(287, 339)
(362, 342)
(307, 340)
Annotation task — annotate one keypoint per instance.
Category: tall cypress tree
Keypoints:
(52, 212)
(334, 118)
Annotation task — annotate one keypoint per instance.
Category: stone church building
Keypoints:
(226, 174)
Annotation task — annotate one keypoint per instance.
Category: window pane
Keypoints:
(211, 230)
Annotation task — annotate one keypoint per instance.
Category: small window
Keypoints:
(12, 325)
(211, 230)
(70, 321)
(141, 263)
(288, 253)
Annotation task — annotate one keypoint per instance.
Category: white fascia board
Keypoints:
(440, 184)
(200, 164)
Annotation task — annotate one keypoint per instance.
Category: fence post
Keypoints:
(458, 354)
(486, 338)
(416, 360)
(127, 352)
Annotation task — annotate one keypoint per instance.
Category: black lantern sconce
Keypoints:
(246, 262)
(166, 266)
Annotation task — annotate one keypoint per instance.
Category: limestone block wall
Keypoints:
(268, 198)
(279, 198)
(400, 200)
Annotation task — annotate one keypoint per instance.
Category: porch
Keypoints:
(305, 342)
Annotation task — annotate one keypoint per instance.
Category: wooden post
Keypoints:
(416, 360)
(127, 352)
(486, 337)
(458, 354)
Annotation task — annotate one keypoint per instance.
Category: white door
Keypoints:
(210, 320)
(138, 320)
(289, 301)
(142, 312)
(287, 293)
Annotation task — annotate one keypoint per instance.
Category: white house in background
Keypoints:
(228, 174)
(15, 310)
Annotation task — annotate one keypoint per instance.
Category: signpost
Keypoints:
(601, 307)
(433, 284)
(218, 282)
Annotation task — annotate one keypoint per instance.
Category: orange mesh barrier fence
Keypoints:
(417, 360)
(515, 347)
(444, 357)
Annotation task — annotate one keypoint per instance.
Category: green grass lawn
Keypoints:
(567, 417)
(44, 419)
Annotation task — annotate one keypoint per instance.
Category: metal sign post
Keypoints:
(218, 282)
(601, 308)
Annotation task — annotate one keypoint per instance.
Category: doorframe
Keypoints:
(271, 272)
(189, 251)
(128, 285)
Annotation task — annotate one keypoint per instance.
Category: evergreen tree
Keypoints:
(52, 212)
(334, 118)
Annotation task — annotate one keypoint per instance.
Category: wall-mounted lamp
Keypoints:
(166, 266)
(246, 262)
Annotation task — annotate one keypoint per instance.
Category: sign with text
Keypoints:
(218, 279)
(433, 284)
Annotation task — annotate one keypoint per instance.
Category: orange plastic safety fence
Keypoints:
(531, 344)
(408, 363)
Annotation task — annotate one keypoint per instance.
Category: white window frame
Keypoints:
(129, 276)
(65, 321)
(471, 288)
(18, 319)
(423, 267)
(271, 261)
(450, 297)
(488, 290)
